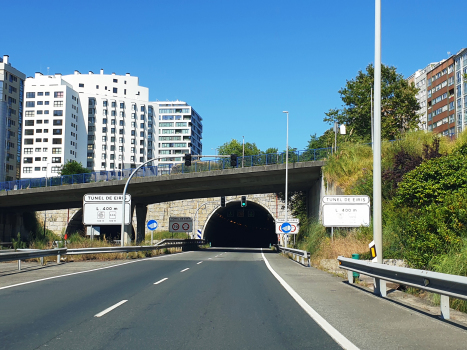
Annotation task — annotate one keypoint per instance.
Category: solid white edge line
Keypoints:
(102, 313)
(199, 263)
(86, 271)
(162, 280)
(325, 325)
(185, 269)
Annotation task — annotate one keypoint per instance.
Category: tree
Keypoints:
(271, 150)
(73, 167)
(399, 105)
(236, 147)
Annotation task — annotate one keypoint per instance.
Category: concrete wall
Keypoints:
(57, 219)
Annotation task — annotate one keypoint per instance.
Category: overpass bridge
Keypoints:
(303, 176)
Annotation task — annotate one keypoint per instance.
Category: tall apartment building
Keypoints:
(53, 130)
(443, 95)
(11, 117)
(121, 126)
(461, 90)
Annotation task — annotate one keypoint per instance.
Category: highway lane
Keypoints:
(196, 300)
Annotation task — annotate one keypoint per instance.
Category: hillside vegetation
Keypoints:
(424, 185)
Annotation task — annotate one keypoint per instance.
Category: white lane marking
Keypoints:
(209, 258)
(80, 272)
(199, 263)
(102, 313)
(185, 269)
(162, 280)
(334, 333)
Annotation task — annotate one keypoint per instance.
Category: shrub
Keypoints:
(433, 180)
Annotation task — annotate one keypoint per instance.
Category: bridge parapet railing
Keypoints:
(197, 166)
(441, 283)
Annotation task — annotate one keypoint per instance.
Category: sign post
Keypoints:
(180, 224)
(346, 211)
(105, 209)
(152, 225)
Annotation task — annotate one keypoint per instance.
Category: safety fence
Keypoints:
(23, 254)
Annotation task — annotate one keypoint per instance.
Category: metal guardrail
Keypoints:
(298, 255)
(441, 283)
(22, 254)
(166, 243)
(199, 166)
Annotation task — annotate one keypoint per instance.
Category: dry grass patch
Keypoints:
(340, 246)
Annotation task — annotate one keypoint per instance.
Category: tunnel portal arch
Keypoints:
(233, 226)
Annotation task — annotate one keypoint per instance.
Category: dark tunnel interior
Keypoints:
(233, 226)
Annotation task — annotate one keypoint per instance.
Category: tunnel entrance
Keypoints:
(233, 226)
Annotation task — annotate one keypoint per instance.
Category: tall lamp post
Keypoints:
(286, 171)
(380, 285)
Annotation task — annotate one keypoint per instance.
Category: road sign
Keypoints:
(291, 228)
(93, 231)
(105, 209)
(346, 211)
(180, 224)
(152, 225)
(199, 234)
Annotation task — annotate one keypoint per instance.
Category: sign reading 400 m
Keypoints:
(346, 211)
(105, 209)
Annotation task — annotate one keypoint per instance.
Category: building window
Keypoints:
(57, 122)
(58, 94)
(114, 90)
(27, 170)
(58, 103)
(30, 94)
(27, 160)
(30, 104)
(57, 141)
(56, 150)
(57, 131)
(81, 85)
(58, 113)
(28, 141)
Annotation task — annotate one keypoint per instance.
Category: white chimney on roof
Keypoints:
(77, 72)
(90, 72)
(6, 59)
(102, 71)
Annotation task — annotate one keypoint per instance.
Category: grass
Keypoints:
(453, 263)
(315, 238)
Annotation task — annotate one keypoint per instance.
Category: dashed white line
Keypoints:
(162, 280)
(92, 270)
(199, 263)
(102, 313)
(185, 269)
(209, 258)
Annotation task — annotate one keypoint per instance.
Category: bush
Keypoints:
(433, 180)
(434, 230)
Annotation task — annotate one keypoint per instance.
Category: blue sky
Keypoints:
(238, 63)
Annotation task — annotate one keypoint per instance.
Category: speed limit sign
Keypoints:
(180, 224)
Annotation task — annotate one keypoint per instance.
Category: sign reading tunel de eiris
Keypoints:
(346, 211)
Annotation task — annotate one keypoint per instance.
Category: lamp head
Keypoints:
(285, 111)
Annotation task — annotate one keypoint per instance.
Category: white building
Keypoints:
(461, 90)
(11, 117)
(53, 129)
(121, 125)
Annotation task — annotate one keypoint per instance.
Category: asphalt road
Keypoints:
(214, 299)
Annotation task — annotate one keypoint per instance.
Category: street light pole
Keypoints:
(380, 286)
(243, 152)
(286, 171)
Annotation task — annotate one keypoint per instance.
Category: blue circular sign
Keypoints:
(286, 227)
(152, 225)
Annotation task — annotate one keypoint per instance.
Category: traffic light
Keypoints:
(187, 159)
(243, 201)
(222, 201)
(233, 160)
